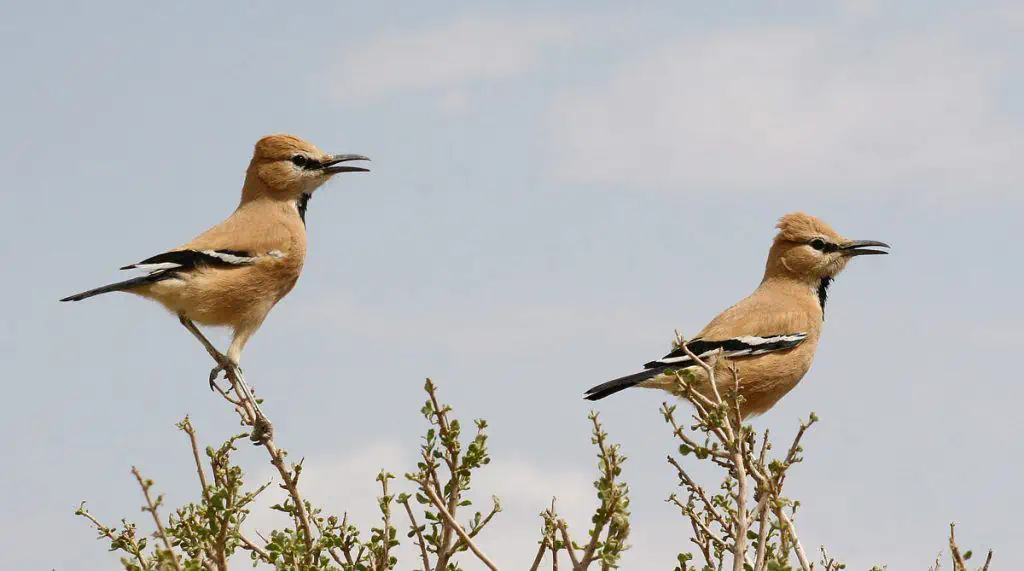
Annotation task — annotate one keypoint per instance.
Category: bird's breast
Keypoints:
(765, 379)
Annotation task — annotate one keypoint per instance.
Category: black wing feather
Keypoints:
(737, 347)
(188, 259)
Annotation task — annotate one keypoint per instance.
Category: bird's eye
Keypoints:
(818, 244)
(300, 161)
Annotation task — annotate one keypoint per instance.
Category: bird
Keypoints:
(769, 338)
(233, 274)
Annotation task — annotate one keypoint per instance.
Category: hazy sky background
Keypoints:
(554, 190)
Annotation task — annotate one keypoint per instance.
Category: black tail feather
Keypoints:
(119, 286)
(622, 383)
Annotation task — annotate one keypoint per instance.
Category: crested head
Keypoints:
(802, 227)
(809, 250)
(287, 167)
(283, 146)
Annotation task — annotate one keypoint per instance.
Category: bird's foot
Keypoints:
(214, 373)
(223, 364)
(262, 430)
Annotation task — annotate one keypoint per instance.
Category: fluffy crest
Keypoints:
(282, 146)
(801, 227)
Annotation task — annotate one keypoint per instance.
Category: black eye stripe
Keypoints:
(822, 246)
(304, 162)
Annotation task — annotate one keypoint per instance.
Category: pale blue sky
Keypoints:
(553, 192)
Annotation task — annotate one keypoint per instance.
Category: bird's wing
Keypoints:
(743, 346)
(758, 324)
(176, 261)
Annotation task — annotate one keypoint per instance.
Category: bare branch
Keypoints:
(186, 426)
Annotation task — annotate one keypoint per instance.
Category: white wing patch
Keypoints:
(745, 346)
(154, 268)
(229, 258)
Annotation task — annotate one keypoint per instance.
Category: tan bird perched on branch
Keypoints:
(769, 337)
(234, 273)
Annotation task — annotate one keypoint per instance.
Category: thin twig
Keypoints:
(540, 555)
(762, 531)
(439, 504)
(739, 454)
(251, 546)
(109, 533)
(563, 528)
(800, 554)
(588, 552)
(958, 561)
(331, 551)
(156, 518)
(477, 528)
(988, 560)
(701, 494)
(419, 536)
(386, 528)
(703, 527)
(681, 434)
(186, 426)
(708, 368)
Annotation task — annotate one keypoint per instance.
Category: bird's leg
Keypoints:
(262, 429)
(222, 361)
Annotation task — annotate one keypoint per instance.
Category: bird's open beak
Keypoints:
(333, 165)
(863, 248)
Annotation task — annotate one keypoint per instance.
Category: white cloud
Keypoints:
(794, 109)
(453, 55)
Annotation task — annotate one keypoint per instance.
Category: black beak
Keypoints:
(333, 166)
(863, 248)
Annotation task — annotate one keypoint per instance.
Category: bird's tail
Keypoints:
(622, 383)
(119, 286)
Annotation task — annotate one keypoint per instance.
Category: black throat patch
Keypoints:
(823, 293)
(301, 204)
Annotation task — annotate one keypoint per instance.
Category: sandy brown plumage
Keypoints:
(770, 337)
(234, 273)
